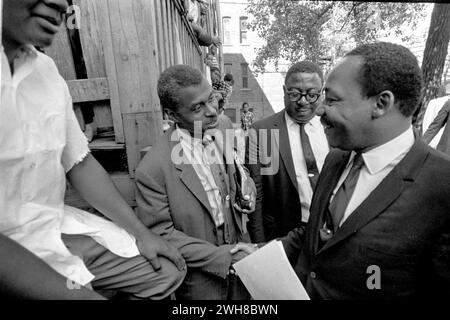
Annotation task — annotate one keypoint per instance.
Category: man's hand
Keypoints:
(243, 249)
(151, 246)
(240, 251)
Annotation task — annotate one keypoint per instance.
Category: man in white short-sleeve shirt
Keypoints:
(41, 144)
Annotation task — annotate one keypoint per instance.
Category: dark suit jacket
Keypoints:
(172, 202)
(278, 208)
(403, 227)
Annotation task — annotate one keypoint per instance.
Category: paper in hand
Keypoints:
(268, 275)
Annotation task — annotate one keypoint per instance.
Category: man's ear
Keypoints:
(171, 115)
(384, 101)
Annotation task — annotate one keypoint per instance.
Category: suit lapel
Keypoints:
(384, 194)
(284, 147)
(230, 167)
(322, 195)
(370, 208)
(189, 177)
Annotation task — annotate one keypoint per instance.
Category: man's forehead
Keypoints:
(346, 70)
(312, 79)
(202, 91)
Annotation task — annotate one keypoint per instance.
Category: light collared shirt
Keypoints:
(200, 158)
(319, 146)
(378, 163)
(434, 106)
(40, 141)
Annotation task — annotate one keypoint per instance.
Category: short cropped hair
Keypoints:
(389, 66)
(173, 79)
(304, 67)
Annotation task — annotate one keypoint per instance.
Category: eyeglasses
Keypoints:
(310, 97)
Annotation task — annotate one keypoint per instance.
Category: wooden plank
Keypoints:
(123, 182)
(160, 32)
(101, 6)
(176, 36)
(62, 54)
(103, 117)
(183, 41)
(133, 46)
(189, 43)
(94, 57)
(89, 89)
(90, 38)
(170, 32)
(105, 144)
(154, 33)
(165, 33)
(142, 131)
(136, 74)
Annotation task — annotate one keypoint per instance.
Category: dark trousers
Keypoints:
(132, 276)
(199, 285)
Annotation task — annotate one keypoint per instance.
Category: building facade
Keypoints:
(263, 92)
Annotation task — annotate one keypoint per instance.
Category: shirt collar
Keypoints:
(314, 122)
(185, 137)
(26, 54)
(380, 157)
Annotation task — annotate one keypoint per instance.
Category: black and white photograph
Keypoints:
(244, 152)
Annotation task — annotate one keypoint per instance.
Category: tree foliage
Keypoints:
(325, 30)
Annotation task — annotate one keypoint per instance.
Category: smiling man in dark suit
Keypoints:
(285, 154)
(380, 215)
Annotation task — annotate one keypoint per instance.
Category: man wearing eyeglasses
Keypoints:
(295, 140)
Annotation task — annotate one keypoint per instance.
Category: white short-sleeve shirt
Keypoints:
(40, 141)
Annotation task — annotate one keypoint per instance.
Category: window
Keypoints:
(243, 30)
(228, 68)
(244, 72)
(226, 26)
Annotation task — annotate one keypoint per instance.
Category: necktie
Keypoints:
(345, 191)
(217, 171)
(225, 223)
(311, 166)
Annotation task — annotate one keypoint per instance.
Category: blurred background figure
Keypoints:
(247, 117)
(435, 130)
(195, 9)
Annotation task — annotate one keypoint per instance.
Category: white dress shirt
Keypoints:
(378, 163)
(200, 158)
(40, 141)
(319, 145)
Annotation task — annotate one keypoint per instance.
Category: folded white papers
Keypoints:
(268, 275)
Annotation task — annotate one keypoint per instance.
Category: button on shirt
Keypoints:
(40, 141)
(378, 163)
(196, 155)
(319, 145)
